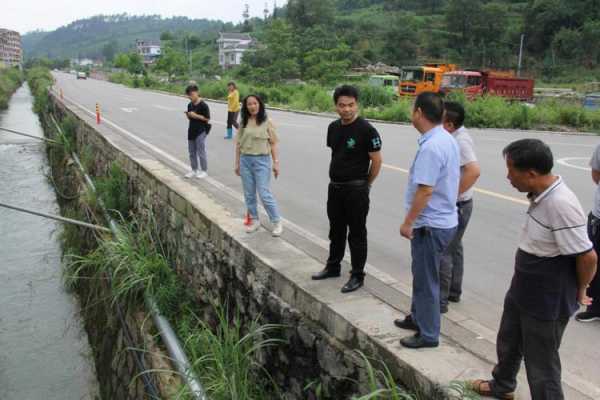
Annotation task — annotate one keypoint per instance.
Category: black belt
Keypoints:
(355, 183)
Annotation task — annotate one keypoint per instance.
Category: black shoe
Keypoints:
(326, 273)
(353, 284)
(454, 298)
(587, 316)
(417, 342)
(443, 309)
(407, 323)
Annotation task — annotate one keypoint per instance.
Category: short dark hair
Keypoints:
(455, 113)
(432, 106)
(345, 90)
(527, 154)
(232, 83)
(191, 88)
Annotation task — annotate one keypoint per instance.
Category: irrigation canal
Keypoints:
(44, 351)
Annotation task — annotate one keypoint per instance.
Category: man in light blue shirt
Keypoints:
(431, 217)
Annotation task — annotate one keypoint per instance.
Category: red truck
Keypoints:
(474, 83)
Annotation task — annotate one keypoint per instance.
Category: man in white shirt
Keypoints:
(554, 264)
(452, 263)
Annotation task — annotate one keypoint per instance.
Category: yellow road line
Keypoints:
(478, 190)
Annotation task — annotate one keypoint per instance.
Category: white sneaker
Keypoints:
(253, 227)
(190, 174)
(201, 174)
(277, 229)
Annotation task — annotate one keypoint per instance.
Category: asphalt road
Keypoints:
(490, 241)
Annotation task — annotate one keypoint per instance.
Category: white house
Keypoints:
(232, 47)
(82, 62)
(149, 50)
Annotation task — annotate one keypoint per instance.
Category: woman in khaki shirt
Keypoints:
(256, 157)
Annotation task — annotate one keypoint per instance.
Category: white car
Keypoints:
(81, 75)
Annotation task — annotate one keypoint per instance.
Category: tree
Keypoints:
(590, 34)
(327, 65)
(121, 60)
(172, 61)
(307, 13)
(402, 41)
(136, 64)
(566, 45)
(166, 36)
(109, 50)
(276, 58)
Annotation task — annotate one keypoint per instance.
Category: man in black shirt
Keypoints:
(355, 163)
(198, 114)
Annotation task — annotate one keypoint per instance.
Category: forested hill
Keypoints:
(322, 39)
(103, 36)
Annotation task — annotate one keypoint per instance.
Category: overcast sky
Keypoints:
(29, 15)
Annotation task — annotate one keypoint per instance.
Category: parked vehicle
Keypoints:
(81, 75)
(426, 78)
(592, 101)
(388, 82)
(474, 83)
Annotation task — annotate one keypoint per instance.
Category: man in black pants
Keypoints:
(592, 313)
(554, 265)
(355, 163)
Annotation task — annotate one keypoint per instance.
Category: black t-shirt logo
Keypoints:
(350, 144)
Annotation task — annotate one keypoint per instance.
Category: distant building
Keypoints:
(11, 54)
(149, 50)
(232, 47)
(82, 62)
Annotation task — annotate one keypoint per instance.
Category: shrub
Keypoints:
(10, 80)
(374, 96)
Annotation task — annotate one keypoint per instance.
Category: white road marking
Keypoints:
(567, 163)
(479, 190)
(165, 108)
(482, 136)
(129, 109)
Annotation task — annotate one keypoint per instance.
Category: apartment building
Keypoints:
(11, 54)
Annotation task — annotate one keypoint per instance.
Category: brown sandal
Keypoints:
(477, 387)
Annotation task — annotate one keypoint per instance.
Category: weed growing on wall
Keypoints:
(114, 191)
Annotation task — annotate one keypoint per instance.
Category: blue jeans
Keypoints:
(256, 177)
(197, 150)
(427, 247)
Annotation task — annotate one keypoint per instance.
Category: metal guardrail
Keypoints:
(172, 343)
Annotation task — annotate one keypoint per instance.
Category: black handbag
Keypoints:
(208, 128)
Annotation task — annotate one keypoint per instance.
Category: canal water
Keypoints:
(44, 351)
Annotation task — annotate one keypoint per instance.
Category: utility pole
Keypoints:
(188, 52)
(246, 13)
(266, 11)
(521, 54)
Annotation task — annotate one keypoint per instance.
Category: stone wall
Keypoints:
(117, 333)
(263, 278)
